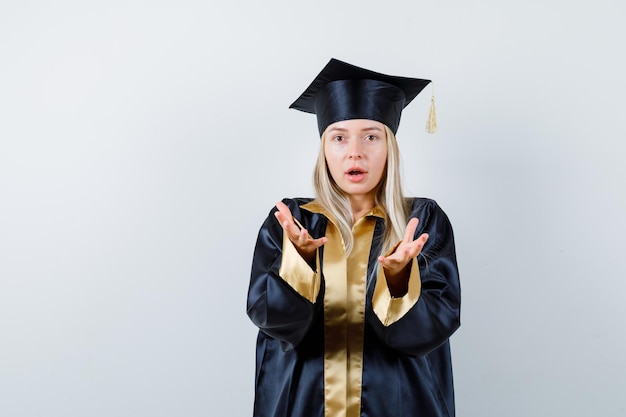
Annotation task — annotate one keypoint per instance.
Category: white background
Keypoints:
(142, 143)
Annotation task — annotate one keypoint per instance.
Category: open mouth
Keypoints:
(356, 174)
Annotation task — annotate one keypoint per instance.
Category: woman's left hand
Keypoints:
(397, 265)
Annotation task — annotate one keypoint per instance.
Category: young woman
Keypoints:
(355, 292)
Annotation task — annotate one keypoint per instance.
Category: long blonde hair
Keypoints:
(389, 196)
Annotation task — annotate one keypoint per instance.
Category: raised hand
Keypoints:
(397, 265)
(304, 243)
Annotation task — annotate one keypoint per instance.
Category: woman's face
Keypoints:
(356, 154)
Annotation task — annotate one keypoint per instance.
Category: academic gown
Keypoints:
(332, 341)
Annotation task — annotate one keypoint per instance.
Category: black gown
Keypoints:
(332, 341)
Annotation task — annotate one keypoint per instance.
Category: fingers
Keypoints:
(284, 217)
(409, 232)
(283, 214)
(405, 251)
(410, 229)
(305, 243)
(393, 263)
(416, 246)
(299, 236)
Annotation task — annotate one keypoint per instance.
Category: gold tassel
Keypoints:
(431, 124)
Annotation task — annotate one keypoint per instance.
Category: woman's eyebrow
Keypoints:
(369, 129)
(365, 129)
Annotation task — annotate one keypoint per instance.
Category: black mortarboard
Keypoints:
(343, 91)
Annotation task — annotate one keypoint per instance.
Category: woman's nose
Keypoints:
(354, 152)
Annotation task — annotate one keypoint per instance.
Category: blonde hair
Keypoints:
(389, 196)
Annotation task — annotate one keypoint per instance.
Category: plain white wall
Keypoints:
(143, 143)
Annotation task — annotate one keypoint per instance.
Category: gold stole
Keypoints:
(344, 317)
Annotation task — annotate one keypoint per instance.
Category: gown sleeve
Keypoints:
(429, 313)
(283, 286)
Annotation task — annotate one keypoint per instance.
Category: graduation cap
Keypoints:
(342, 91)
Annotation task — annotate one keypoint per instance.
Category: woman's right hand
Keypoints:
(303, 242)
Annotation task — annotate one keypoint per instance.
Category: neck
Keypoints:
(360, 207)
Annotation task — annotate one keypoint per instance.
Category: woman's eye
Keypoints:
(338, 138)
(371, 138)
